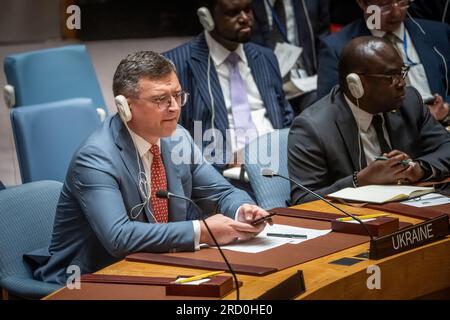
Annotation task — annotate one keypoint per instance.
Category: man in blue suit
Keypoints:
(423, 44)
(108, 206)
(235, 86)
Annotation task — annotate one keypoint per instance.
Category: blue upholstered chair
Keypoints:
(53, 74)
(47, 135)
(268, 151)
(26, 221)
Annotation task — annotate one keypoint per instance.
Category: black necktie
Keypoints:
(377, 122)
(277, 34)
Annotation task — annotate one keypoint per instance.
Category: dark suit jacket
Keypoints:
(437, 35)
(323, 143)
(191, 60)
(319, 16)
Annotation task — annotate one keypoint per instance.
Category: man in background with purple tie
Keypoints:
(235, 86)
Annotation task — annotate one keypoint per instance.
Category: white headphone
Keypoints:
(205, 17)
(356, 89)
(355, 85)
(123, 109)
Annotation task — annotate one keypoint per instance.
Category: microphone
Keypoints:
(270, 174)
(167, 195)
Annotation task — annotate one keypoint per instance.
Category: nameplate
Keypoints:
(409, 238)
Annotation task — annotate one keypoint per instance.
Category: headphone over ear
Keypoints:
(123, 108)
(205, 17)
(355, 85)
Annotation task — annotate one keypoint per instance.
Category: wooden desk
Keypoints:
(407, 275)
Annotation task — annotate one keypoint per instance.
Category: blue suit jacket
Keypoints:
(319, 16)
(323, 143)
(92, 226)
(437, 35)
(191, 60)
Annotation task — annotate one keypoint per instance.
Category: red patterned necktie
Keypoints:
(159, 182)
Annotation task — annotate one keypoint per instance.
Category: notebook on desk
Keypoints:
(381, 193)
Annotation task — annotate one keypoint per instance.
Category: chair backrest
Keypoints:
(268, 151)
(26, 221)
(53, 74)
(47, 135)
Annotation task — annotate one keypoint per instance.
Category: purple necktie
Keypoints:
(244, 127)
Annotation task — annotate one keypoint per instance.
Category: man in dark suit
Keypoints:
(335, 142)
(423, 44)
(299, 23)
(235, 87)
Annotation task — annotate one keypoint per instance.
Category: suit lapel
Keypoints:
(199, 67)
(177, 207)
(423, 46)
(304, 37)
(395, 129)
(349, 131)
(263, 83)
(128, 154)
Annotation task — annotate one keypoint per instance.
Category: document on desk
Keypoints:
(287, 55)
(428, 200)
(264, 242)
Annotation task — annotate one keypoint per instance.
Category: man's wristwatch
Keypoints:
(427, 171)
(446, 120)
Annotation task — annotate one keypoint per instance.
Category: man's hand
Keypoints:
(439, 109)
(249, 212)
(226, 230)
(385, 171)
(412, 173)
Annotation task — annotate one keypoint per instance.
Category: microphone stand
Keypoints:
(167, 195)
(269, 174)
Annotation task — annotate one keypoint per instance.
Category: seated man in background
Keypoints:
(438, 10)
(298, 24)
(423, 44)
(334, 143)
(235, 87)
(108, 206)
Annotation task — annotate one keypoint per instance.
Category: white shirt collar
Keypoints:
(142, 145)
(362, 118)
(399, 33)
(219, 53)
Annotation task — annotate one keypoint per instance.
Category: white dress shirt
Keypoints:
(291, 24)
(367, 132)
(416, 76)
(143, 148)
(258, 112)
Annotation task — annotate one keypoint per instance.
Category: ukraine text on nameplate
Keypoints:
(409, 238)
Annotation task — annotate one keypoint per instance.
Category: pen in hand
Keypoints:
(403, 162)
(265, 218)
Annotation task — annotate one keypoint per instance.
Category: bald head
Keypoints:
(379, 67)
(365, 55)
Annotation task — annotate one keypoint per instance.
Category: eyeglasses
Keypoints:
(395, 78)
(402, 5)
(164, 102)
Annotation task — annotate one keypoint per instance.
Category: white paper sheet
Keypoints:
(262, 242)
(305, 84)
(287, 55)
(428, 200)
